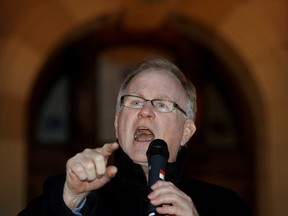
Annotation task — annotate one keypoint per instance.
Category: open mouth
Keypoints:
(143, 135)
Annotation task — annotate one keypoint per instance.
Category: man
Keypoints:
(155, 101)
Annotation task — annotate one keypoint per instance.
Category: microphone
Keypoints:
(157, 155)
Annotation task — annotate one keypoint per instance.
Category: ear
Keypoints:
(189, 130)
(116, 124)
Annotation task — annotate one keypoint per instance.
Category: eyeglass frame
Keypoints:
(175, 105)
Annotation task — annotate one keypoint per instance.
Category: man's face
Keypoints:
(136, 128)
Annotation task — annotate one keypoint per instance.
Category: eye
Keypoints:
(134, 102)
(161, 105)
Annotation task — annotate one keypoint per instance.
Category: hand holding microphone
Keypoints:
(157, 155)
(165, 194)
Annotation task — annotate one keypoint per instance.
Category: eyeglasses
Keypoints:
(161, 105)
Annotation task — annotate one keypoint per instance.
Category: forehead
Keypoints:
(159, 83)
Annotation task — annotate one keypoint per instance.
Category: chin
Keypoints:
(139, 157)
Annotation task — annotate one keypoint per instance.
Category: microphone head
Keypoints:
(158, 147)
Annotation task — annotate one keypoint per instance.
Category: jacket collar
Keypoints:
(128, 169)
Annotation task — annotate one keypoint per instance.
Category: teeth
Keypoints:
(143, 135)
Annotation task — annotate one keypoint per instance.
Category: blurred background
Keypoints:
(62, 61)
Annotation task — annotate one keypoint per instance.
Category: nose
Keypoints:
(147, 111)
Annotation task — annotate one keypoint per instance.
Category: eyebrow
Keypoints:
(157, 97)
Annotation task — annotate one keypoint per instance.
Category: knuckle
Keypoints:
(99, 158)
(89, 166)
(170, 185)
(72, 162)
(77, 168)
(86, 151)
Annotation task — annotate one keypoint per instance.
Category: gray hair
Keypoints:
(164, 65)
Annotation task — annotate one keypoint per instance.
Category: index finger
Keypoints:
(109, 148)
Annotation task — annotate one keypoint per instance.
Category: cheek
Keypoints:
(120, 125)
(174, 131)
(173, 137)
(123, 126)
(173, 152)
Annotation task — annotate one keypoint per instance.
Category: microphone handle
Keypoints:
(157, 167)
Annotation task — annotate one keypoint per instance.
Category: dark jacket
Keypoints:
(126, 194)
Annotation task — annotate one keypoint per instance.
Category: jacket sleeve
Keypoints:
(50, 202)
(211, 199)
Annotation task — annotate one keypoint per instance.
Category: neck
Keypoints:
(145, 169)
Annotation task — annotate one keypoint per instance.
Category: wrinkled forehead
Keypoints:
(158, 80)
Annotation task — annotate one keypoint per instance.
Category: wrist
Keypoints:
(71, 199)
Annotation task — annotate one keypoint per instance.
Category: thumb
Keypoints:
(111, 171)
(109, 174)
